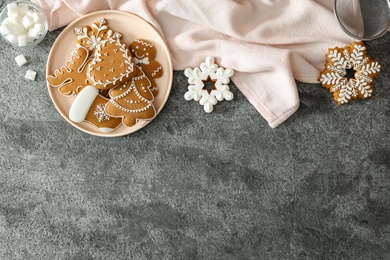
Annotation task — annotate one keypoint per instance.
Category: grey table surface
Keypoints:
(192, 185)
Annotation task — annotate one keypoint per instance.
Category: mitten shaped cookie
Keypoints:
(132, 100)
(144, 54)
(111, 65)
(71, 78)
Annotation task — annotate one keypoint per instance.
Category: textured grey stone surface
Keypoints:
(192, 185)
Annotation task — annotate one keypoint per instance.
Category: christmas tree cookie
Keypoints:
(132, 100)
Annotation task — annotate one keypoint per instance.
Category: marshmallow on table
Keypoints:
(21, 60)
(30, 74)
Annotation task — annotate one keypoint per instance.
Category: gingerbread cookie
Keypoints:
(132, 100)
(71, 78)
(89, 106)
(91, 36)
(349, 73)
(144, 54)
(111, 65)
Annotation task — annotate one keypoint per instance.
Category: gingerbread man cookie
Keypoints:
(71, 78)
(144, 54)
(132, 100)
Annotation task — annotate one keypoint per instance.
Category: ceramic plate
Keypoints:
(131, 27)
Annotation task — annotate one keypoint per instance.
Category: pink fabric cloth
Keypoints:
(269, 43)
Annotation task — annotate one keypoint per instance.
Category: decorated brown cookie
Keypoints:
(144, 54)
(71, 78)
(89, 106)
(91, 36)
(111, 65)
(349, 73)
(132, 100)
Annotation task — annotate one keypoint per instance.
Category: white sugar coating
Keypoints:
(39, 28)
(30, 74)
(22, 40)
(22, 8)
(27, 21)
(21, 60)
(12, 8)
(12, 38)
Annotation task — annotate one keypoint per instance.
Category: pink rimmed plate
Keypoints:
(131, 27)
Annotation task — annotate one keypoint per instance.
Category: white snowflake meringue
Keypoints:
(208, 70)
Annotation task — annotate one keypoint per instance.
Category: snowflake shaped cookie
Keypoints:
(349, 73)
(208, 70)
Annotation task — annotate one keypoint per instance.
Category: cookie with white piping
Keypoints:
(71, 77)
(132, 100)
(144, 55)
(90, 36)
(111, 65)
(349, 73)
(89, 106)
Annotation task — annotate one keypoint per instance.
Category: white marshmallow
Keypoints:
(39, 28)
(38, 18)
(17, 29)
(30, 74)
(12, 38)
(27, 21)
(22, 9)
(22, 40)
(4, 30)
(21, 60)
(7, 23)
(29, 13)
(12, 8)
(31, 36)
(15, 18)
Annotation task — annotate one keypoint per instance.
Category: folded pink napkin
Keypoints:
(269, 43)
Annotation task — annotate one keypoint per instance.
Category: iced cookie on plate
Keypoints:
(71, 78)
(111, 65)
(91, 36)
(132, 100)
(89, 106)
(144, 54)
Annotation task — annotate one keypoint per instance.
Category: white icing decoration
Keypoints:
(101, 114)
(141, 61)
(143, 43)
(82, 103)
(208, 70)
(133, 88)
(98, 58)
(156, 71)
(94, 40)
(341, 62)
(106, 129)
